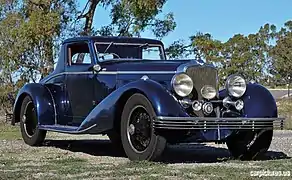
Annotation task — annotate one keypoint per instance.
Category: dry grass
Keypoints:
(285, 110)
(8, 132)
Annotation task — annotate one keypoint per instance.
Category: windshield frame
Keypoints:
(160, 46)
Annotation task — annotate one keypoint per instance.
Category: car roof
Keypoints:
(116, 39)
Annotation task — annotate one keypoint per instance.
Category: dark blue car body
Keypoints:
(78, 100)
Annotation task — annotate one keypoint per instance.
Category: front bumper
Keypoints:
(214, 123)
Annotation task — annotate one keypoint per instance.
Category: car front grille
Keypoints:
(201, 76)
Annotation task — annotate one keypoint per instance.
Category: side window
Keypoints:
(151, 53)
(78, 54)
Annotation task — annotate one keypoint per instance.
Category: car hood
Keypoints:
(132, 70)
(144, 65)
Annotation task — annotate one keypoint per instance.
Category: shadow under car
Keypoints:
(180, 153)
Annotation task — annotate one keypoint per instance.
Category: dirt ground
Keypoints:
(92, 157)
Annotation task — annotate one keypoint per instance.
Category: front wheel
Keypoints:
(30, 132)
(249, 145)
(138, 138)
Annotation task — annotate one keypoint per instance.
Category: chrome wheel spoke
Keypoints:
(139, 131)
(29, 119)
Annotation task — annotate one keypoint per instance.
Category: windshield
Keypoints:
(114, 51)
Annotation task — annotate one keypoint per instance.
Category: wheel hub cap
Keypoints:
(139, 129)
(23, 118)
(131, 129)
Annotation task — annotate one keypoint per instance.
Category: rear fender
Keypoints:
(42, 100)
(164, 104)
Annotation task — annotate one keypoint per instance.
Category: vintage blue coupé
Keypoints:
(127, 89)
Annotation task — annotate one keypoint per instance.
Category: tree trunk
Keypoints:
(88, 16)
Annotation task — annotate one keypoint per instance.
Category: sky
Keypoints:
(221, 18)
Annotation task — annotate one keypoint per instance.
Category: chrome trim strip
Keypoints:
(70, 132)
(214, 123)
(86, 129)
(112, 73)
(146, 72)
(128, 44)
(77, 73)
(183, 67)
(217, 119)
(108, 72)
(221, 128)
(66, 73)
(54, 104)
(55, 75)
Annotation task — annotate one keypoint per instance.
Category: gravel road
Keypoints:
(282, 141)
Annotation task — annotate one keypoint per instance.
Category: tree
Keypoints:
(30, 33)
(282, 55)
(89, 15)
(129, 18)
(245, 55)
(179, 49)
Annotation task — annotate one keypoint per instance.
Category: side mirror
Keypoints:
(96, 68)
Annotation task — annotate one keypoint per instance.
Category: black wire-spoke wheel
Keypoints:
(139, 129)
(138, 138)
(29, 124)
(249, 145)
(29, 119)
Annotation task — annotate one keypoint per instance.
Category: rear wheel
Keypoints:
(30, 132)
(249, 145)
(138, 138)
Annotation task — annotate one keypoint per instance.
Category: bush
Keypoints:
(7, 97)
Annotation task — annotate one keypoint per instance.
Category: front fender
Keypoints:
(258, 102)
(162, 101)
(42, 100)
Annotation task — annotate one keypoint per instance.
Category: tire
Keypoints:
(249, 145)
(140, 142)
(29, 124)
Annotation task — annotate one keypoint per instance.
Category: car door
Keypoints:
(79, 84)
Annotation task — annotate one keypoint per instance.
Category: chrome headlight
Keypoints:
(236, 86)
(208, 92)
(182, 84)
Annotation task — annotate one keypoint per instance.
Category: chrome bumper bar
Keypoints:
(214, 123)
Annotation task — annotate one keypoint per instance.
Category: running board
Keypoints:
(65, 129)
